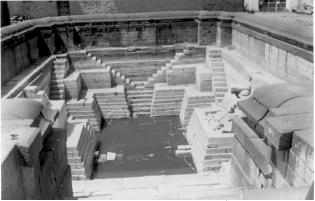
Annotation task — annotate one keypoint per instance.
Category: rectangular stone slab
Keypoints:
(279, 130)
(243, 132)
(261, 155)
(253, 110)
(303, 148)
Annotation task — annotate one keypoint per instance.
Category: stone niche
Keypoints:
(34, 155)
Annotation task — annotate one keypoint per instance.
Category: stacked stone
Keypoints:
(59, 72)
(86, 109)
(95, 78)
(112, 102)
(81, 146)
(252, 154)
(290, 138)
(73, 86)
(167, 100)
(210, 147)
(193, 99)
(215, 62)
(300, 171)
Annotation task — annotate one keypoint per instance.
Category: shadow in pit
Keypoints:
(142, 147)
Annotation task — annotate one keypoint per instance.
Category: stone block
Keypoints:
(254, 111)
(294, 179)
(302, 147)
(280, 159)
(279, 130)
(11, 177)
(243, 132)
(300, 168)
(29, 144)
(261, 155)
(48, 185)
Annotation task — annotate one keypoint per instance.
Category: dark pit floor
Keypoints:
(145, 146)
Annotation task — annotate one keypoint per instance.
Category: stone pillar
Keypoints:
(224, 32)
(206, 31)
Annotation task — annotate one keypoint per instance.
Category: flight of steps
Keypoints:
(158, 77)
(85, 109)
(215, 62)
(112, 102)
(139, 70)
(192, 100)
(140, 99)
(81, 145)
(58, 73)
(167, 100)
(83, 60)
(210, 147)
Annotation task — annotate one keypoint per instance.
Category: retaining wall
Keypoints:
(26, 42)
(283, 51)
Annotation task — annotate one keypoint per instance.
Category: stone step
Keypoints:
(56, 92)
(139, 79)
(141, 113)
(218, 79)
(134, 92)
(104, 104)
(219, 84)
(164, 113)
(140, 96)
(218, 75)
(220, 89)
(142, 101)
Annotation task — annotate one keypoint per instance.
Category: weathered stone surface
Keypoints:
(279, 130)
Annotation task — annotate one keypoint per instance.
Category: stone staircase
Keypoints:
(112, 102)
(81, 145)
(192, 100)
(58, 73)
(85, 109)
(85, 61)
(167, 99)
(215, 63)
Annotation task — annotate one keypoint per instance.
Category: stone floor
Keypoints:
(226, 184)
(189, 186)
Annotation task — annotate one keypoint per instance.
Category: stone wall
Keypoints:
(278, 61)
(33, 9)
(283, 51)
(26, 42)
(39, 9)
(20, 48)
